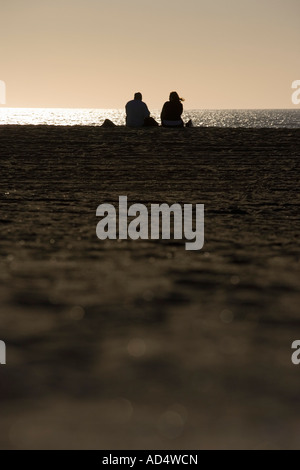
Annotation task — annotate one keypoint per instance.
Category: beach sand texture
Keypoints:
(142, 344)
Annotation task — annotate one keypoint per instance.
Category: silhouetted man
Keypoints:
(136, 111)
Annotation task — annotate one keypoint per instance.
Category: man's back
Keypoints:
(136, 112)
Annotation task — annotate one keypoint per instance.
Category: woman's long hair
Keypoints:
(175, 97)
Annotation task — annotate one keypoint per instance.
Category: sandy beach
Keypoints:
(142, 344)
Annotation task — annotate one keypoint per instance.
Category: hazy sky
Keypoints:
(97, 53)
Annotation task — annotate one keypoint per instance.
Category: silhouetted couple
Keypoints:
(138, 114)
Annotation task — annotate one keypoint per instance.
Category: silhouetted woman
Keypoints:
(172, 111)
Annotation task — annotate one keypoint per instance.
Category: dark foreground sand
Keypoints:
(143, 345)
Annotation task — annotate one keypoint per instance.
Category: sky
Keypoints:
(218, 54)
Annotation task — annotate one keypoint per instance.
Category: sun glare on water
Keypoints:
(276, 118)
(60, 116)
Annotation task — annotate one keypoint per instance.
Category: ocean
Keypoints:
(257, 118)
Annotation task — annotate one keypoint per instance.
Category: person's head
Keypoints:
(175, 97)
(138, 96)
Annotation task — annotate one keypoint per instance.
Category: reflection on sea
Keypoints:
(207, 118)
